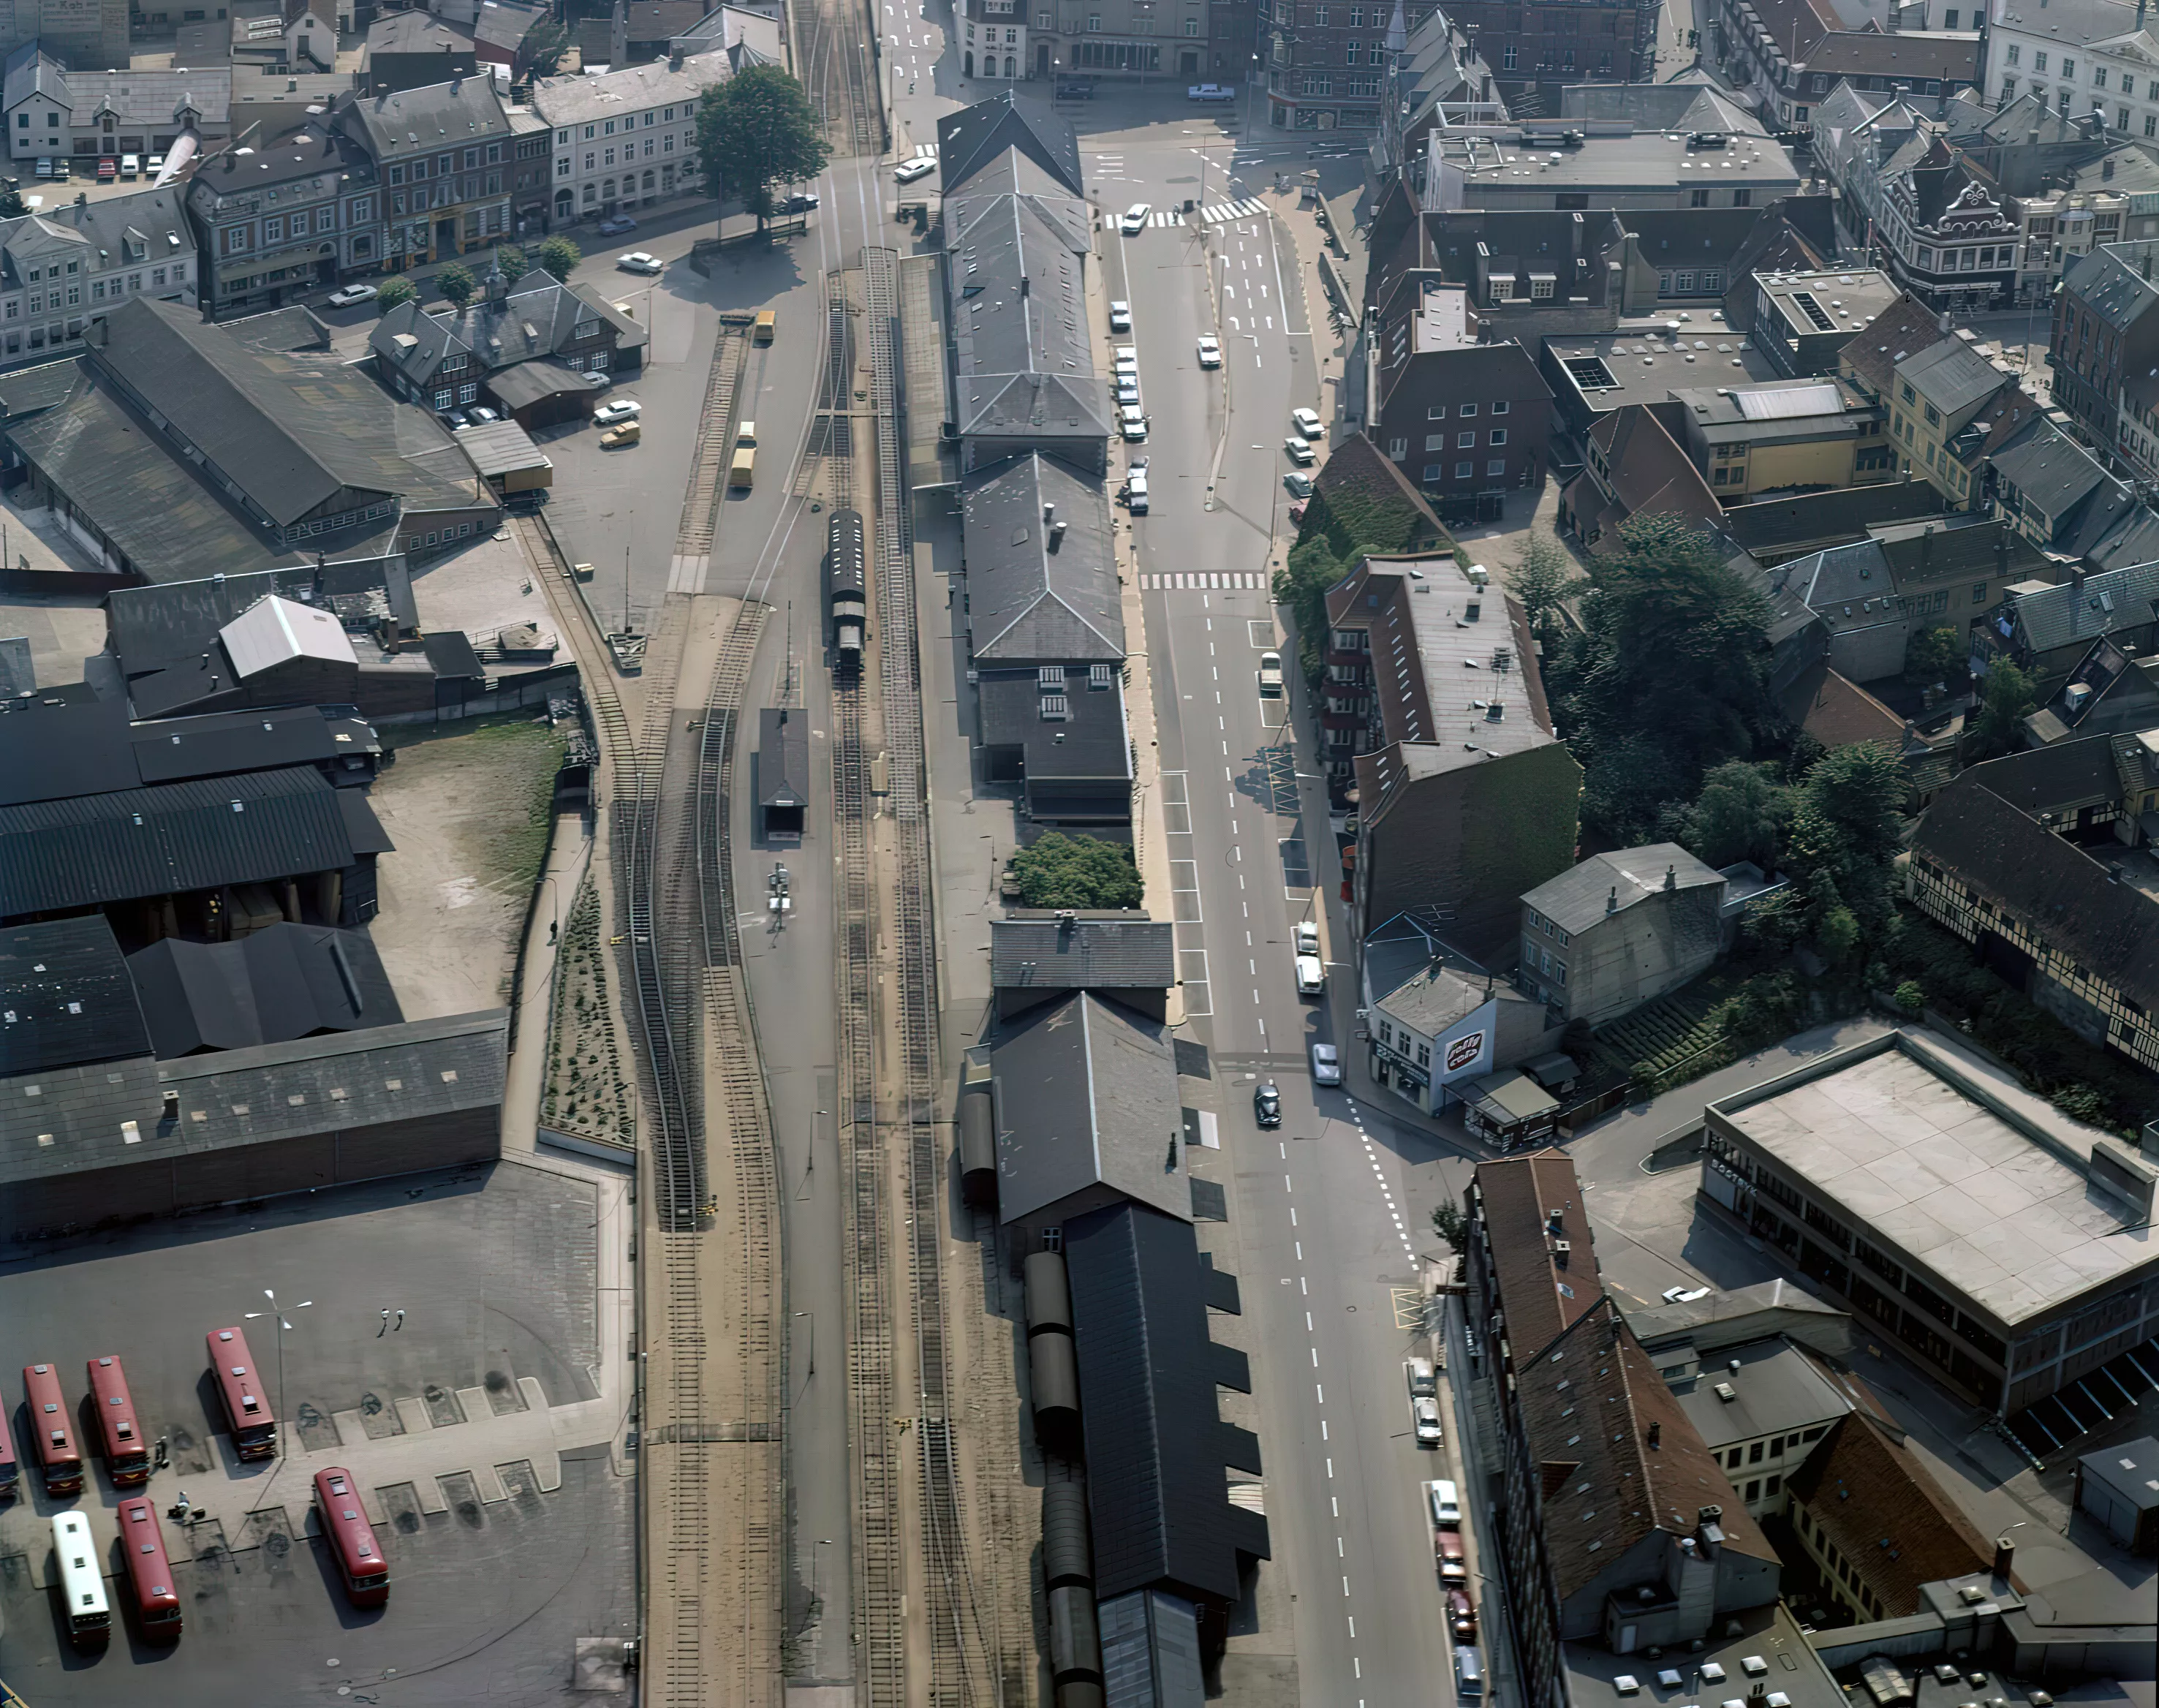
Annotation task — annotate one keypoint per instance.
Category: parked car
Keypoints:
(154, 165)
(353, 295)
(1128, 388)
(1311, 976)
(1453, 1566)
(1270, 687)
(1209, 92)
(619, 438)
(108, 169)
(45, 167)
(482, 416)
(131, 165)
(1299, 452)
(638, 261)
(1298, 483)
(1326, 1065)
(1307, 937)
(456, 418)
(909, 170)
(1424, 1419)
(616, 226)
(801, 202)
(1307, 424)
(1266, 1104)
(1446, 1504)
(1210, 353)
(616, 409)
(1685, 1295)
(1135, 490)
(1135, 219)
(1126, 356)
(1461, 1614)
(1075, 91)
(1421, 1381)
(1121, 317)
(1131, 423)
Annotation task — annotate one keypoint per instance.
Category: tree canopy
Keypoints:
(1934, 655)
(1995, 729)
(545, 45)
(1847, 823)
(1544, 579)
(393, 292)
(1741, 814)
(1668, 678)
(755, 132)
(457, 284)
(1058, 871)
(558, 257)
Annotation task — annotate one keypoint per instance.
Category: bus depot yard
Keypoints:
(480, 1424)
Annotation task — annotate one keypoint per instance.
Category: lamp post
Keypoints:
(278, 1311)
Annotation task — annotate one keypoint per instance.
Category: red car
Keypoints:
(1461, 1616)
(108, 170)
(1453, 1568)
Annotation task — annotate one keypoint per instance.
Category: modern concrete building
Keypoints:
(2005, 1248)
(1618, 930)
(1802, 320)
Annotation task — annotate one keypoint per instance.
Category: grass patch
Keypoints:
(513, 760)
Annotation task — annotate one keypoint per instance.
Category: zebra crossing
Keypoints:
(1196, 581)
(1215, 215)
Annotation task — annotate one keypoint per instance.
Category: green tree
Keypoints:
(394, 291)
(1847, 828)
(511, 260)
(545, 45)
(1740, 815)
(1544, 579)
(1448, 1222)
(755, 131)
(559, 256)
(1934, 655)
(1058, 871)
(1998, 728)
(457, 284)
(1910, 997)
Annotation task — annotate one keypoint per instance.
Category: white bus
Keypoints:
(82, 1584)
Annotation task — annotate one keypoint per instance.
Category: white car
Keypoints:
(1298, 483)
(1307, 422)
(1121, 317)
(621, 409)
(1128, 388)
(1300, 452)
(482, 416)
(1270, 687)
(1685, 1295)
(1131, 422)
(1209, 92)
(1311, 976)
(1425, 1415)
(1135, 219)
(1210, 353)
(1446, 1505)
(352, 295)
(1135, 490)
(1308, 930)
(909, 170)
(638, 261)
(1125, 354)
(1326, 1065)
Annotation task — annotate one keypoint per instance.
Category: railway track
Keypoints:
(836, 53)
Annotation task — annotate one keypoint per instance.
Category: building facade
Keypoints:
(627, 138)
(63, 270)
(2076, 56)
(284, 219)
(1618, 930)
(1326, 63)
(993, 44)
(1588, 41)
(2105, 334)
(1457, 416)
(442, 157)
(51, 113)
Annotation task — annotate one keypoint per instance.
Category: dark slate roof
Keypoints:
(1035, 595)
(533, 382)
(1952, 376)
(1085, 1096)
(54, 753)
(1156, 1494)
(421, 121)
(451, 655)
(289, 981)
(2075, 611)
(971, 138)
(1886, 1514)
(1092, 740)
(1903, 329)
(2054, 780)
(783, 757)
(1581, 896)
(153, 626)
(2116, 293)
(177, 836)
(343, 1081)
(2057, 890)
(1089, 951)
(1764, 527)
(65, 999)
(51, 752)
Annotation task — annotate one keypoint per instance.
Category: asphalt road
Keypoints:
(1331, 1210)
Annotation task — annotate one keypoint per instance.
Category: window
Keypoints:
(1399, 449)
(1466, 411)
(2069, 70)
(1745, 198)
(1465, 441)
(1432, 471)
(1464, 471)
(1698, 198)
(1683, 284)
(2098, 77)
(1434, 442)
(1436, 413)
(2038, 61)
(1508, 58)
(1501, 407)
(1349, 53)
(1497, 437)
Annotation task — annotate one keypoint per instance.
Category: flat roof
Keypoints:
(1796, 1672)
(1815, 303)
(1646, 362)
(1944, 1160)
(1501, 163)
(1776, 1387)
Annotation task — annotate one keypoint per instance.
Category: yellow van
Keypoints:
(767, 323)
(618, 438)
(741, 472)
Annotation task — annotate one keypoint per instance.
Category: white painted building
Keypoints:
(625, 138)
(61, 269)
(2079, 56)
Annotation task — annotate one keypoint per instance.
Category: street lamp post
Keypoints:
(277, 1312)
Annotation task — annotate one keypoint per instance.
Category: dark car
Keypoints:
(1461, 1616)
(801, 202)
(1075, 91)
(1266, 1104)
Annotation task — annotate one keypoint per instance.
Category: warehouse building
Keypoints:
(2002, 1246)
(96, 1128)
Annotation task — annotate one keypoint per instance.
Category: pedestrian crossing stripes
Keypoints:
(1168, 216)
(1215, 215)
(925, 151)
(1226, 581)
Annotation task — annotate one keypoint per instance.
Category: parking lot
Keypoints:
(478, 1433)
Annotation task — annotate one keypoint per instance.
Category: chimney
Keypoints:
(1671, 878)
(1656, 1438)
(1943, 323)
(1612, 901)
(2106, 170)
(1926, 547)
(2005, 1552)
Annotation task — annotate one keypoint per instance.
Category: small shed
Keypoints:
(1509, 1111)
(507, 459)
(2119, 1486)
(783, 772)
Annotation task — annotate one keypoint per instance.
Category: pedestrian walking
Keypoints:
(164, 1456)
(400, 1316)
(385, 1329)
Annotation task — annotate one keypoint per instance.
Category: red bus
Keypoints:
(48, 1425)
(351, 1538)
(247, 1411)
(149, 1570)
(126, 1460)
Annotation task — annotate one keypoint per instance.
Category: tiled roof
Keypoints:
(1905, 327)
(1882, 1510)
(1578, 897)
(1520, 1194)
(1125, 951)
